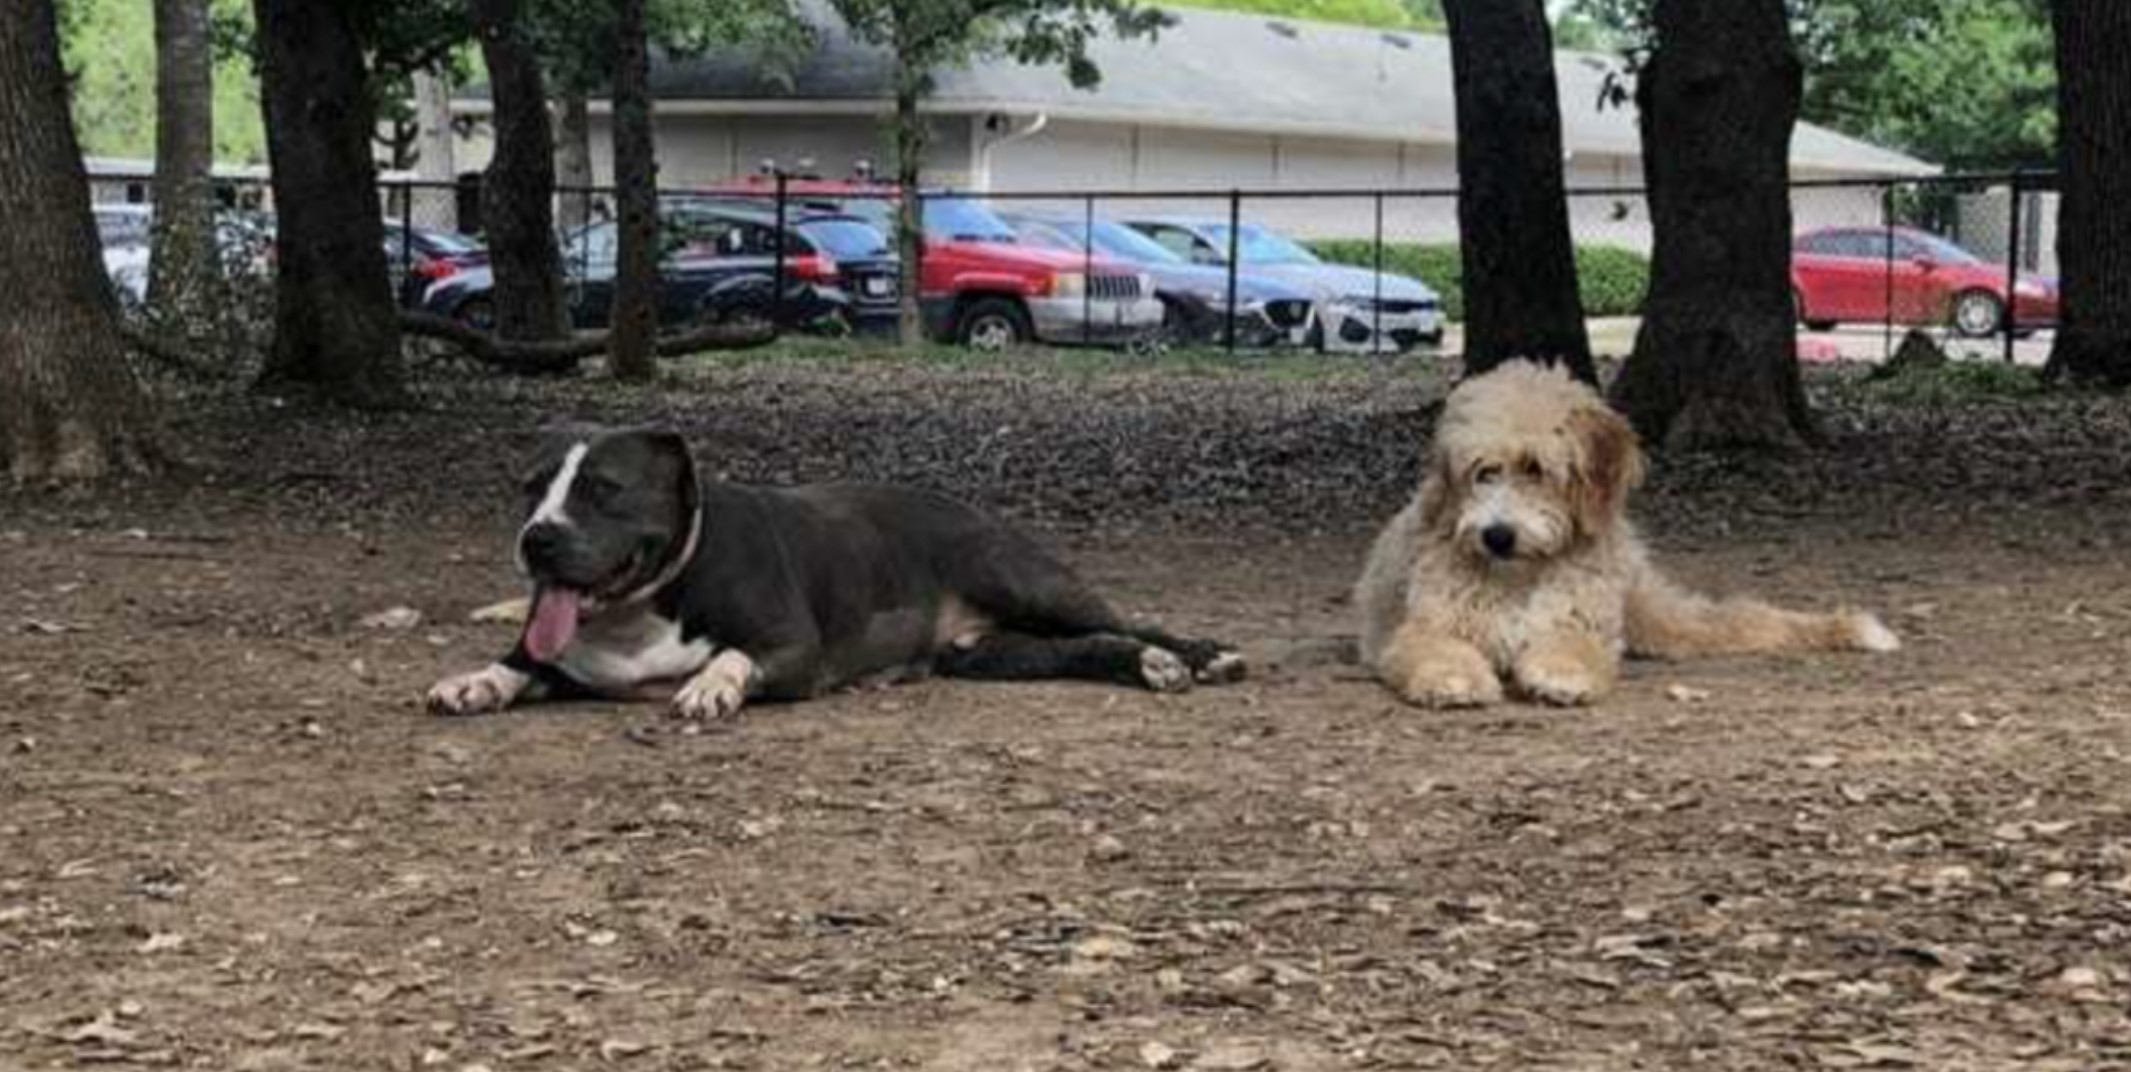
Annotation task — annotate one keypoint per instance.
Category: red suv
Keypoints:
(979, 285)
(1853, 273)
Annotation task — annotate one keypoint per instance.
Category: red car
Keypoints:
(1842, 274)
(979, 284)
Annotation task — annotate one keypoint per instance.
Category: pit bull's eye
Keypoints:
(1487, 474)
(597, 490)
(1532, 469)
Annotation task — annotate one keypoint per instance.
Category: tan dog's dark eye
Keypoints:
(1533, 469)
(1487, 474)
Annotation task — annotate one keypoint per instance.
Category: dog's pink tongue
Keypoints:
(553, 623)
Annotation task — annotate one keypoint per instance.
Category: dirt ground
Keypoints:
(229, 839)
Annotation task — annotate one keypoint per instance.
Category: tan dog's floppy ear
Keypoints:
(1440, 491)
(1609, 467)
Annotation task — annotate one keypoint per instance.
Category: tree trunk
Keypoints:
(336, 333)
(182, 268)
(636, 189)
(573, 160)
(1716, 362)
(518, 189)
(909, 207)
(69, 408)
(1521, 299)
(2094, 161)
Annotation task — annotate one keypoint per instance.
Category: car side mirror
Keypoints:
(1925, 264)
(1201, 255)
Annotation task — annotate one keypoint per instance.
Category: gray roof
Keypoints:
(1231, 71)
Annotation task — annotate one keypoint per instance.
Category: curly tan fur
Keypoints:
(1515, 566)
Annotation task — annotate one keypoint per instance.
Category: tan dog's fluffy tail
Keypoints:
(1666, 621)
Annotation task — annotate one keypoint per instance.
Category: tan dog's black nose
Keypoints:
(1500, 540)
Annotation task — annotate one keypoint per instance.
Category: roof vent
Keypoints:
(1284, 29)
(1397, 41)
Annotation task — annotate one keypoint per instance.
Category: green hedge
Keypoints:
(1613, 279)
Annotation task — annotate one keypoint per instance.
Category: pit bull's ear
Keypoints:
(671, 444)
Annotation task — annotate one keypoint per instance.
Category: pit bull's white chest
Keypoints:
(624, 651)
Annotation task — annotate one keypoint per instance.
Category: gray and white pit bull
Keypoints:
(647, 579)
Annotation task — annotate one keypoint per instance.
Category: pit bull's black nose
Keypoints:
(1500, 540)
(542, 545)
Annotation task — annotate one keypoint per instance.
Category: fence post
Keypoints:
(407, 286)
(2009, 321)
(1087, 271)
(1376, 296)
(777, 268)
(1886, 215)
(1235, 234)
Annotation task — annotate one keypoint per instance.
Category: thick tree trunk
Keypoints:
(636, 189)
(573, 160)
(1521, 299)
(69, 408)
(1716, 363)
(336, 332)
(182, 269)
(2094, 160)
(518, 189)
(909, 207)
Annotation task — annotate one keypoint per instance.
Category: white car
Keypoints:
(1356, 310)
(123, 230)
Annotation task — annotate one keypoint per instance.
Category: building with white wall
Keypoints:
(1218, 101)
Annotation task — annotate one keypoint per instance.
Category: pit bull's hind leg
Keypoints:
(1028, 595)
(1010, 656)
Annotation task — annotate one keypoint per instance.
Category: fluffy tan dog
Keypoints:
(1517, 562)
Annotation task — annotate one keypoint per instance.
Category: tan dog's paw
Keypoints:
(718, 691)
(1558, 679)
(1873, 635)
(489, 689)
(1452, 679)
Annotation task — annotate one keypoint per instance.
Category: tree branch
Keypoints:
(563, 355)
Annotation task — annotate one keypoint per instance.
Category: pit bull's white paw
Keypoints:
(1225, 668)
(1163, 671)
(718, 691)
(489, 689)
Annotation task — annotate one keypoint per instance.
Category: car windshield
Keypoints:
(1941, 250)
(846, 238)
(1124, 243)
(448, 242)
(1256, 245)
(958, 220)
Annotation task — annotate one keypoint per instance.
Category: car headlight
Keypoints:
(1069, 285)
(2032, 288)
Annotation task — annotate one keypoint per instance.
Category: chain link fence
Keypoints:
(1967, 259)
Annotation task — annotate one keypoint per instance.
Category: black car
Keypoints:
(418, 257)
(718, 264)
(862, 261)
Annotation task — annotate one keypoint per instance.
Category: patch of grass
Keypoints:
(1087, 362)
(1611, 279)
(1952, 384)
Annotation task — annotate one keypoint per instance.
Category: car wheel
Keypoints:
(476, 313)
(1977, 313)
(993, 324)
